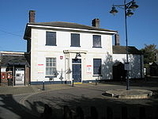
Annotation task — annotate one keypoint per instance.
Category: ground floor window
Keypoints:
(96, 67)
(50, 66)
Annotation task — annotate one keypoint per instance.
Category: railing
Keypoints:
(94, 114)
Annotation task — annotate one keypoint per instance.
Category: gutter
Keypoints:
(73, 29)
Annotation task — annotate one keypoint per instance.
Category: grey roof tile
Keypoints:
(122, 50)
(69, 25)
(13, 60)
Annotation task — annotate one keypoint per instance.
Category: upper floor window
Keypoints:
(96, 41)
(75, 40)
(51, 38)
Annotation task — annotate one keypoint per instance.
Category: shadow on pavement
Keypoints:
(102, 104)
(9, 108)
(152, 82)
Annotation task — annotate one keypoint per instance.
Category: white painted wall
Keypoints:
(135, 63)
(39, 52)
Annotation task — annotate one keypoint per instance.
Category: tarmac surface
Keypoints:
(25, 102)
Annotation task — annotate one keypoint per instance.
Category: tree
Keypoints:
(149, 53)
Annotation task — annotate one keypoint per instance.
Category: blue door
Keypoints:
(76, 70)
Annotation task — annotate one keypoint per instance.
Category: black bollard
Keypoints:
(43, 86)
(96, 81)
(72, 84)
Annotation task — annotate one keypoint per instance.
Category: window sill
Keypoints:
(96, 47)
(96, 75)
(50, 45)
(74, 46)
(50, 76)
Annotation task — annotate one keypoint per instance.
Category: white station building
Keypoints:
(62, 52)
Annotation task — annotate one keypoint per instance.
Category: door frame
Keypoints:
(19, 76)
(77, 62)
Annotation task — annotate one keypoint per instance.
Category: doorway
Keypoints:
(118, 71)
(76, 70)
(19, 76)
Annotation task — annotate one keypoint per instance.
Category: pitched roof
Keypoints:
(69, 25)
(64, 26)
(8, 59)
(122, 50)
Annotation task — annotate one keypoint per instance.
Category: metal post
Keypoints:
(127, 12)
(126, 33)
(13, 75)
(0, 68)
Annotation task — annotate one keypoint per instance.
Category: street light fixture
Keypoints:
(133, 5)
(113, 11)
(127, 7)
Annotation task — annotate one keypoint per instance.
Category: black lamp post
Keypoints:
(127, 7)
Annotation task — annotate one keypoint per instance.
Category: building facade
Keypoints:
(64, 52)
(60, 53)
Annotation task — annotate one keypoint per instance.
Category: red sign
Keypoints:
(61, 57)
(89, 69)
(40, 64)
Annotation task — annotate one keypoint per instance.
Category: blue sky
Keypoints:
(142, 26)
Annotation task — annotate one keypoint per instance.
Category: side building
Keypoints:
(135, 59)
(14, 68)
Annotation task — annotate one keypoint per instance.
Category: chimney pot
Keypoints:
(117, 40)
(96, 22)
(31, 16)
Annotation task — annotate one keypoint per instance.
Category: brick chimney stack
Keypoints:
(96, 22)
(117, 40)
(31, 16)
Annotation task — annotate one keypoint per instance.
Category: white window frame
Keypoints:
(51, 64)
